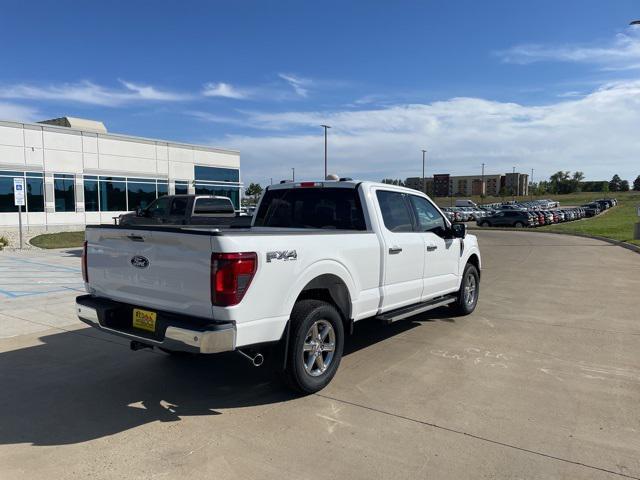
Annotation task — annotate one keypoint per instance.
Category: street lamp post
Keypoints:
(482, 188)
(424, 185)
(293, 174)
(531, 185)
(513, 190)
(326, 127)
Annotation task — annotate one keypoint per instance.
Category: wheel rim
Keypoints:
(470, 289)
(319, 347)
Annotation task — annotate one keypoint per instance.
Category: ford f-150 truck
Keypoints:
(318, 257)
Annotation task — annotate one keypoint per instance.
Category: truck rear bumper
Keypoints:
(174, 332)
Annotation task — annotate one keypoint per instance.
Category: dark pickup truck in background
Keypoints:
(186, 210)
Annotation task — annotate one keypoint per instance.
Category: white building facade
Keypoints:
(79, 174)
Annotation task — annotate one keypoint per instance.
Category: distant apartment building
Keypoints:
(443, 185)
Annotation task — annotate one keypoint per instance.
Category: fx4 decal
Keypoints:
(285, 255)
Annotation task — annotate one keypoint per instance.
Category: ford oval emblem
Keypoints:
(139, 261)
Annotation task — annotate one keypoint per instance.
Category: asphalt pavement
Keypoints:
(542, 381)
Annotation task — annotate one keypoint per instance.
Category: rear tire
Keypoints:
(315, 346)
(469, 291)
(518, 225)
(484, 224)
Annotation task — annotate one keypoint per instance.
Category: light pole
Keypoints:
(513, 176)
(326, 127)
(271, 181)
(482, 188)
(424, 185)
(531, 185)
(293, 174)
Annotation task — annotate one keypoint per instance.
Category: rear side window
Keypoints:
(330, 208)
(429, 219)
(395, 211)
(212, 206)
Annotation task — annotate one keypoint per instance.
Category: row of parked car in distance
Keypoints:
(532, 213)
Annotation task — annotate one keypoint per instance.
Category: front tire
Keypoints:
(519, 225)
(469, 291)
(315, 346)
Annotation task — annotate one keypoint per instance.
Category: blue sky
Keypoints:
(547, 85)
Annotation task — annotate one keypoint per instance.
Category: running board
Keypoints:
(404, 312)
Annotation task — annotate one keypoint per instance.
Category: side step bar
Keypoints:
(404, 312)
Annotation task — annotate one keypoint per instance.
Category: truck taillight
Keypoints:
(85, 271)
(231, 275)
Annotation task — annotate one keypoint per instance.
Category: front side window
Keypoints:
(429, 219)
(160, 207)
(64, 193)
(179, 206)
(395, 211)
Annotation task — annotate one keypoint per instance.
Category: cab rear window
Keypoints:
(329, 208)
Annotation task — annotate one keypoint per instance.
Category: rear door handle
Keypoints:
(394, 250)
(431, 248)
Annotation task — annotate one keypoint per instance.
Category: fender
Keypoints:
(315, 270)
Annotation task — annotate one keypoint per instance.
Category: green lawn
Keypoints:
(616, 223)
(58, 240)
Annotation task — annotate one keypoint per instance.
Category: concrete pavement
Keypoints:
(542, 381)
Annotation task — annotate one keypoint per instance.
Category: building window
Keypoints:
(163, 188)
(64, 193)
(91, 196)
(113, 194)
(216, 174)
(35, 192)
(6, 191)
(220, 191)
(140, 193)
(182, 188)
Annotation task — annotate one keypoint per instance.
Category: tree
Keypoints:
(624, 186)
(558, 180)
(636, 184)
(615, 183)
(254, 190)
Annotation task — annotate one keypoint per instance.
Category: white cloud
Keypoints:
(621, 53)
(596, 134)
(300, 85)
(224, 90)
(90, 93)
(17, 113)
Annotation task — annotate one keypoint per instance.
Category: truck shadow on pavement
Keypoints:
(83, 385)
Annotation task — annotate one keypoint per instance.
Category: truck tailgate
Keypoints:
(161, 270)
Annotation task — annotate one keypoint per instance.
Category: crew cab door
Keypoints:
(403, 251)
(442, 253)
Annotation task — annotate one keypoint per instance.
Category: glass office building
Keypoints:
(76, 173)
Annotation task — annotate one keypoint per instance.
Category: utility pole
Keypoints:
(326, 127)
(293, 169)
(513, 191)
(424, 185)
(271, 181)
(483, 190)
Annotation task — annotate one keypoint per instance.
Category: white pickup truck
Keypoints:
(318, 257)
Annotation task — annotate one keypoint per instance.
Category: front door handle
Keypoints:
(394, 250)
(431, 248)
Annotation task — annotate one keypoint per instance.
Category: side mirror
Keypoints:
(459, 230)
